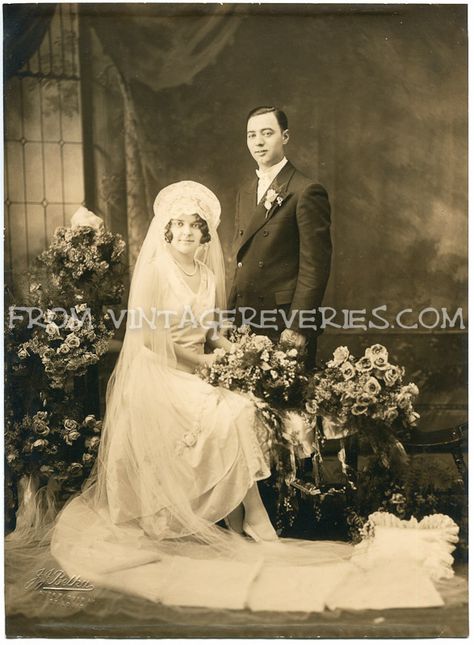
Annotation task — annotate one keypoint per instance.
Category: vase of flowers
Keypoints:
(364, 395)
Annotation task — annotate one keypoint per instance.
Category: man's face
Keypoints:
(265, 139)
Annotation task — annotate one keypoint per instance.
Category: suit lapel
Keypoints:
(259, 216)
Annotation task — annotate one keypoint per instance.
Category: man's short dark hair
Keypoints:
(265, 109)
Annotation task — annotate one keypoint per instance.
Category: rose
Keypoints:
(377, 351)
(87, 458)
(347, 370)
(390, 414)
(311, 406)
(365, 400)
(71, 436)
(72, 340)
(411, 389)
(75, 468)
(40, 443)
(92, 442)
(80, 308)
(70, 425)
(358, 409)
(52, 330)
(41, 428)
(23, 353)
(63, 349)
(391, 375)
(11, 457)
(380, 363)
(90, 421)
(403, 400)
(364, 364)
(340, 355)
(47, 470)
(292, 353)
(48, 353)
(84, 217)
(74, 324)
(372, 386)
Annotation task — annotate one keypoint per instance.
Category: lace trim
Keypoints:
(434, 521)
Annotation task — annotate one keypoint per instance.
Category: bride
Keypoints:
(177, 455)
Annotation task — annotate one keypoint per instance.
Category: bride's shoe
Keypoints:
(250, 531)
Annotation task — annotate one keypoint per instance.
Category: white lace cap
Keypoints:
(187, 197)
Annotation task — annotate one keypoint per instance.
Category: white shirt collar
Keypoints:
(271, 173)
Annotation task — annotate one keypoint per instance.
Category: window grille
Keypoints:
(44, 181)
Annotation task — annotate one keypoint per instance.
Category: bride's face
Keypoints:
(186, 233)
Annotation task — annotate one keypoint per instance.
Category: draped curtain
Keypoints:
(152, 48)
(24, 26)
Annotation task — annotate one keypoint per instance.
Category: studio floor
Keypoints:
(448, 621)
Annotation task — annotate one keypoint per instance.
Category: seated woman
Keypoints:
(177, 455)
(174, 448)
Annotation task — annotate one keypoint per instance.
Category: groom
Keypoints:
(282, 241)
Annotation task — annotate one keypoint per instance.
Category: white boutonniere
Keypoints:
(271, 197)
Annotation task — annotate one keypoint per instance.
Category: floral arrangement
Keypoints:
(51, 434)
(85, 260)
(66, 344)
(365, 395)
(273, 373)
(47, 445)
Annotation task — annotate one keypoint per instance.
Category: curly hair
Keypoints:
(203, 227)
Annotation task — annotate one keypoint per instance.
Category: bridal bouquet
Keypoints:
(274, 373)
(273, 377)
(364, 395)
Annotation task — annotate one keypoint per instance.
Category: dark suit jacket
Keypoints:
(282, 257)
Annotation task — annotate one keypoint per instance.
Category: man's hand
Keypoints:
(293, 338)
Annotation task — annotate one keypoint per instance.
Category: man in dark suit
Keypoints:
(282, 241)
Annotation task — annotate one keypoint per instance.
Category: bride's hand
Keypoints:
(208, 359)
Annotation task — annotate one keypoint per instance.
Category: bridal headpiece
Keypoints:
(187, 197)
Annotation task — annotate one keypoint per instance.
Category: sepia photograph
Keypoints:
(235, 320)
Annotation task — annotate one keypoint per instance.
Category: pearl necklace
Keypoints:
(190, 275)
